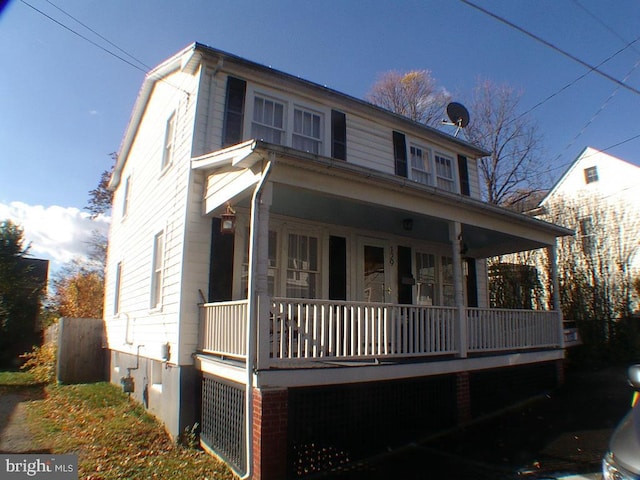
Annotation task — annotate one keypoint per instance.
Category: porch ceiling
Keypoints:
(306, 204)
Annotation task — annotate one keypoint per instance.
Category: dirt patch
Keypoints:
(15, 434)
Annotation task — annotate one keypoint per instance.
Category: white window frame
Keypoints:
(440, 179)
(117, 290)
(591, 175)
(306, 137)
(168, 150)
(426, 169)
(259, 123)
(157, 268)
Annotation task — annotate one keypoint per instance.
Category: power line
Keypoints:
(559, 50)
(83, 37)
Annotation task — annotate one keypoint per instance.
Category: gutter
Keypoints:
(253, 320)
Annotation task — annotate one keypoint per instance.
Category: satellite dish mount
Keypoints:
(458, 116)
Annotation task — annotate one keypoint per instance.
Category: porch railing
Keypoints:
(329, 329)
(223, 328)
(326, 330)
(491, 330)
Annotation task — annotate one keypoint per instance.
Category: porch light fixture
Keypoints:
(228, 221)
(407, 224)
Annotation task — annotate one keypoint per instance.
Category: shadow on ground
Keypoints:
(564, 432)
(14, 433)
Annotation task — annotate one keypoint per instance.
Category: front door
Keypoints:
(374, 274)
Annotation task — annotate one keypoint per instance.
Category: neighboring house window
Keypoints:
(591, 174)
(116, 298)
(420, 170)
(127, 193)
(338, 135)
(400, 153)
(268, 120)
(169, 135)
(156, 274)
(444, 173)
(234, 111)
(307, 135)
(586, 235)
(302, 266)
(426, 278)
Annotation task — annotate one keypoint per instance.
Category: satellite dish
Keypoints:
(459, 116)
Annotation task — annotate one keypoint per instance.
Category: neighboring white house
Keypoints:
(303, 274)
(597, 197)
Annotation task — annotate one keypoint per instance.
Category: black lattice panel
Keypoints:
(223, 417)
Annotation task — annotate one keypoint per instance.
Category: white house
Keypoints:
(303, 274)
(597, 197)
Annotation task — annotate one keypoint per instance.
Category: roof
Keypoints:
(191, 56)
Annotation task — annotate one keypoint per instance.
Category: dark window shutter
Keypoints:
(233, 111)
(220, 264)
(463, 170)
(400, 153)
(337, 268)
(472, 283)
(338, 135)
(405, 276)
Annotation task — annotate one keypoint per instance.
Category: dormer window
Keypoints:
(591, 175)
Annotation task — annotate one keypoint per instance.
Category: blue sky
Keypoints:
(64, 103)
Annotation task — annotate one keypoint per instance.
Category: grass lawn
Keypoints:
(113, 436)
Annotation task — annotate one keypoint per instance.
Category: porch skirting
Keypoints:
(300, 431)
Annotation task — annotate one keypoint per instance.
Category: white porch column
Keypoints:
(553, 267)
(262, 275)
(455, 234)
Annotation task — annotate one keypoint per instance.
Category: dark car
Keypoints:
(622, 461)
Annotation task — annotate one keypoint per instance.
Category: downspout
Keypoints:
(252, 329)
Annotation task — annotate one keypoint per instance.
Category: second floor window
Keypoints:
(306, 131)
(444, 173)
(420, 171)
(167, 154)
(268, 121)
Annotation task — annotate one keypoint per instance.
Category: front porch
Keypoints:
(303, 333)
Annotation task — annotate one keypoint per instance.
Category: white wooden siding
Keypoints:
(157, 203)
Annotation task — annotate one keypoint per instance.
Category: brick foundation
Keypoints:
(270, 410)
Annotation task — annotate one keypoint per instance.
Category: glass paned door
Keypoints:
(374, 274)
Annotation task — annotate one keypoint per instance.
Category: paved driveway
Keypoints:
(561, 435)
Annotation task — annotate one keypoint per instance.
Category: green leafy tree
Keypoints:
(21, 289)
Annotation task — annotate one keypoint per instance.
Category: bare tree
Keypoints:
(514, 169)
(413, 94)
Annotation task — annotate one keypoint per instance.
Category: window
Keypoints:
(167, 155)
(268, 121)
(591, 174)
(338, 135)
(116, 298)
(420, 165)
(302, 266)
(127, 193)
(307, 134)
(444, 173)
(463, 172)
(156, 274)
(426, 278)
(586, 235)
(448, 289)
